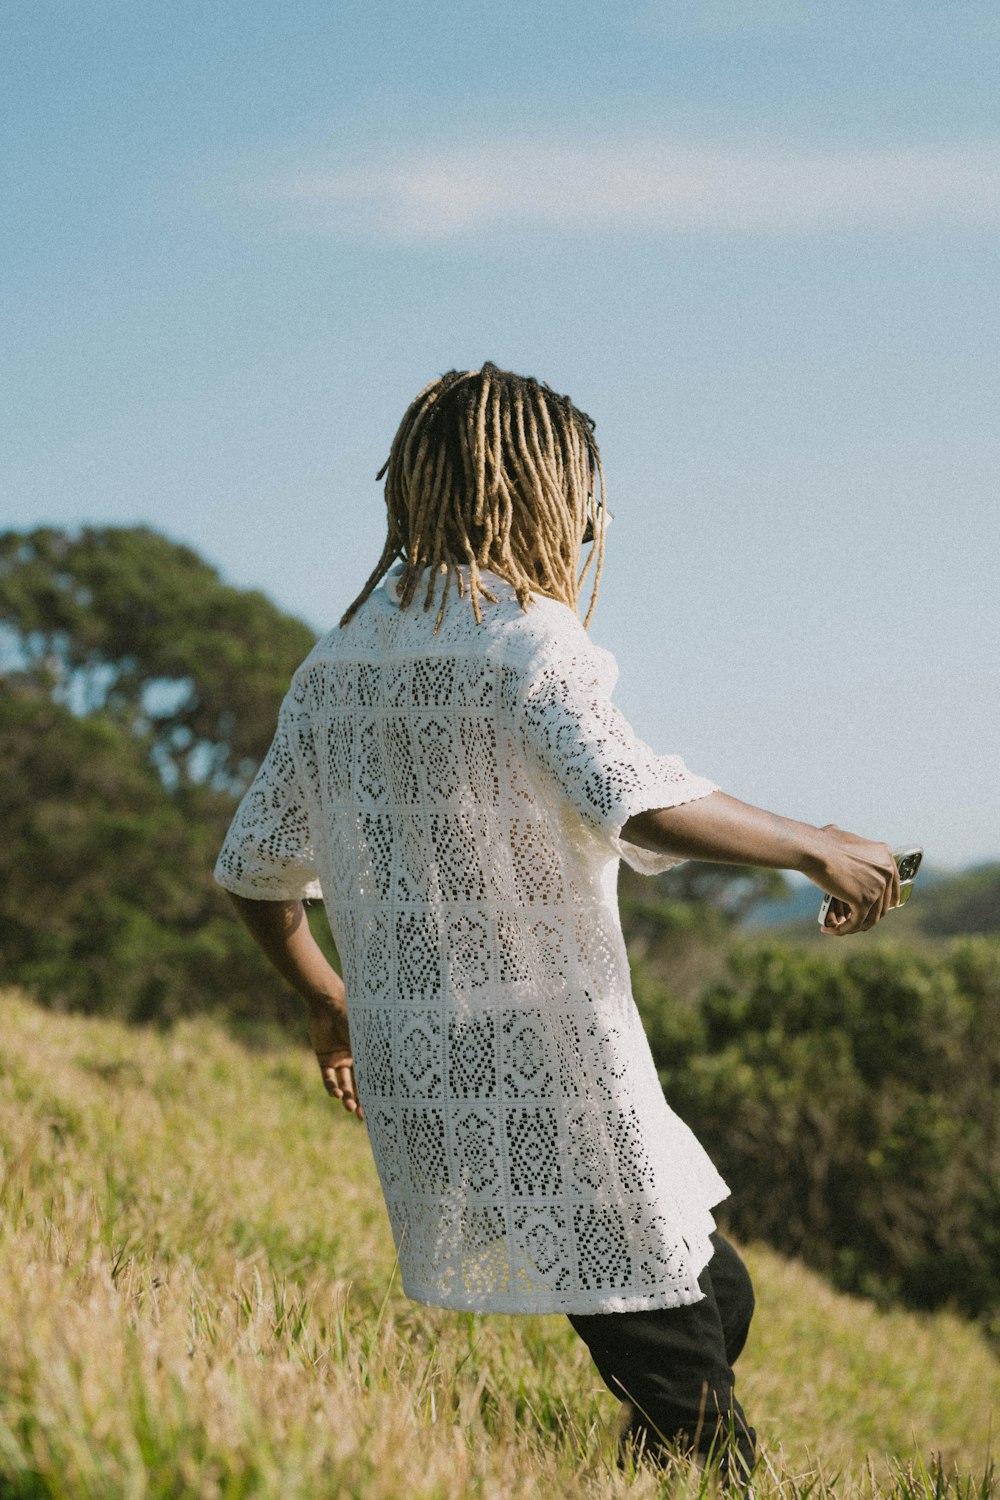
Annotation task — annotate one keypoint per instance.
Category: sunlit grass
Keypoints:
(198, 1299)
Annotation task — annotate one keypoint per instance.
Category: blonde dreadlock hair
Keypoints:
(495, 471)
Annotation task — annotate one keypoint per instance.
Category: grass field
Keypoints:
(198, 1299)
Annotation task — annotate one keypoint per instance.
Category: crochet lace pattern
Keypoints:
(457, 800)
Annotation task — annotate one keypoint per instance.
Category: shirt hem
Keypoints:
(580, 1302)
(579, 1306)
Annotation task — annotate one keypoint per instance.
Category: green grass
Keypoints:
(198, 1299)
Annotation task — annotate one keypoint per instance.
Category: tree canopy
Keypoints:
(138, 693)
(107, 902)
(128, 623)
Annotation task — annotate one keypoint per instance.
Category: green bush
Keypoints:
(850, 1100)
(138, 692)
(968, 902)
(107, 902)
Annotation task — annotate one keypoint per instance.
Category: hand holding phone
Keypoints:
(907, 863)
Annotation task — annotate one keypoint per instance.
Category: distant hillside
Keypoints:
(969, 902)
(943, 904)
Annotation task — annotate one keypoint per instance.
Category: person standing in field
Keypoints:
(450, 774)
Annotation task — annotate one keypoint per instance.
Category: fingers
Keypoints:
(838, 918)
(346, 1089)
(864, 920)
(854, 920)
(872, 915)
(340, 1083)
(845, 919)
(890, 892)
(890, 895)
(896, 883)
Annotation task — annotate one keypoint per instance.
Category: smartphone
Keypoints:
(907, 863)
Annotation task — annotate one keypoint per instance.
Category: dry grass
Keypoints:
(197, 1300)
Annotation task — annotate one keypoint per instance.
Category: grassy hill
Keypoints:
(198, 1299)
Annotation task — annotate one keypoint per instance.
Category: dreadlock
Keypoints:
(492, 470)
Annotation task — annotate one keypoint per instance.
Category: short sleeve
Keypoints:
(268, 853)
(573, 730)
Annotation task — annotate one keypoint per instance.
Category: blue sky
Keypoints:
(756, 241)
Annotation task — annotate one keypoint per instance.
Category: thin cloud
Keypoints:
(641, 188)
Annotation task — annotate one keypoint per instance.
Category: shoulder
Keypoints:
(549, 638)
(332, 655)
(360, 639)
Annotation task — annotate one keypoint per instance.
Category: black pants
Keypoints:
(674, 1366)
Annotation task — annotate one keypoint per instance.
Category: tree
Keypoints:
(105, 892)
(671, 922)
(128, 623)
(138, 694)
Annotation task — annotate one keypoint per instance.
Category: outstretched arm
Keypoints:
(282, 932)
(858, 872)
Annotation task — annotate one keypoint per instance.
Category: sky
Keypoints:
(756, 241)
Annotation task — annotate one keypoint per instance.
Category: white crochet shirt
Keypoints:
(457, 800)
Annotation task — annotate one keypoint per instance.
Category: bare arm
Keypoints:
(280, 929)
(859, 873)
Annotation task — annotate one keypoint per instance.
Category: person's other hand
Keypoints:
(862, 877)
(331, 1041)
